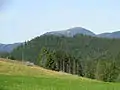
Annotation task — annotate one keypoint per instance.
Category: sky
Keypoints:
(22, 20)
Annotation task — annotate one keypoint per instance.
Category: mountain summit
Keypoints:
(79, 30)
(71, 32)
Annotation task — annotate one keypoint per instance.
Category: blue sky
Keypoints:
(22, 20)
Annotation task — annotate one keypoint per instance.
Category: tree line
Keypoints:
(59, 61)
(105, 70)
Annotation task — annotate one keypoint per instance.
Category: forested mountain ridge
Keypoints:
(79, 44)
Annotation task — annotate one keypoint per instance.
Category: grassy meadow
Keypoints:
(16, 76)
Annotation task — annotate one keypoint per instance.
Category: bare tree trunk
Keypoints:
(63, 66)
(74, 66)
(69, 66)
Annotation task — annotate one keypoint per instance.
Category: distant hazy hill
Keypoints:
(8, 47)
(71, 32)
(110, 35)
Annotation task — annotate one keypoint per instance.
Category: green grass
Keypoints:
(15, 76)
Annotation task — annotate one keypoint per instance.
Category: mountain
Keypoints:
(8, 47)
(110, 35)
(85, 55)
(71, 32)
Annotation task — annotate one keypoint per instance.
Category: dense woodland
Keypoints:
(86, 56)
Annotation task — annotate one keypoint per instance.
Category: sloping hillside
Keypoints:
(16, 76)
(9, 67)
